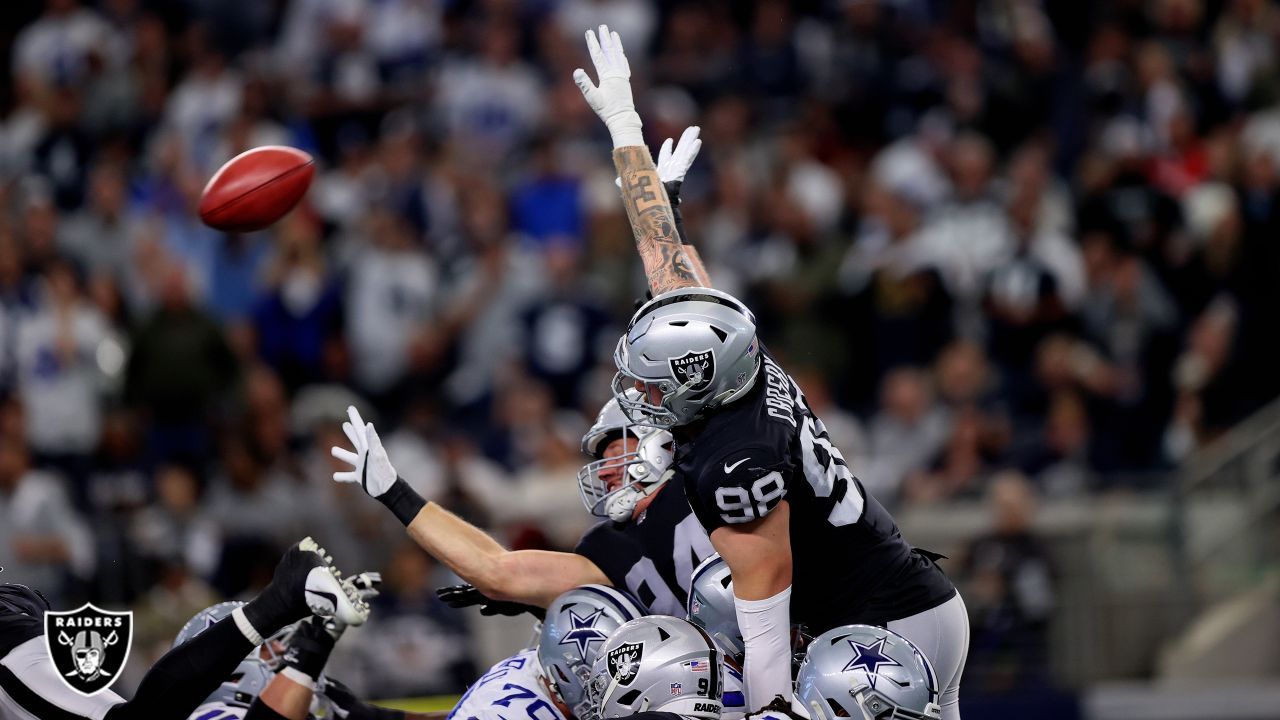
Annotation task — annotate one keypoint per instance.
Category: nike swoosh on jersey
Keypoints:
(730, 468)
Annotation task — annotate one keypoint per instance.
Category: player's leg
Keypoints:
(177, 683)
(942, 634)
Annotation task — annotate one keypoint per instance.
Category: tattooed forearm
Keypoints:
(652, 224)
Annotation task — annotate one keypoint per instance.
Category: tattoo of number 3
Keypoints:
(737, 505)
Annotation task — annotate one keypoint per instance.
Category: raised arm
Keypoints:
(653, 224)
(534, 577)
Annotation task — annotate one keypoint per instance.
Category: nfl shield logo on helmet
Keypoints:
(88, 646)
(676, 688)
(624, 662)
(695, 369)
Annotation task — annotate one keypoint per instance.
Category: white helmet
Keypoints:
(644, 469)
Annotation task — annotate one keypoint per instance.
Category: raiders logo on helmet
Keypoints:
(624, 662)
(88, 646)
(695, 369)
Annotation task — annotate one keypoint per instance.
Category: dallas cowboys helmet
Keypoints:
(643, 470)
(658, 663)
(577, 625)
(254, 672)
(711, 606)
(695, 347)
(860, 671)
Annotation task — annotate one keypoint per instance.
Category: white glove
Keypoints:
(673, 165)
(370, 465)
(612, 100)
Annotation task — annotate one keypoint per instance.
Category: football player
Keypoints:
(750, 452)
(282, 677)
(650, 551)
(304, 583)
(546, 681)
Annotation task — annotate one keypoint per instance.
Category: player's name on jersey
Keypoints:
(777, 393)
(63, 621)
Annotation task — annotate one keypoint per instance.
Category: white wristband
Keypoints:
(625, 129)
(246, 628)
(300, 677)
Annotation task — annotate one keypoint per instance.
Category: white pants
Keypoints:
(942, 634)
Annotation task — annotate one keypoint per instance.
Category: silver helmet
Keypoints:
(711, 606)
(691, 350)
(635, 473)
(658, 663)
(576, 626)
(860, 671)
(254, 672)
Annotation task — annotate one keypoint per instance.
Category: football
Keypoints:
(256, 188)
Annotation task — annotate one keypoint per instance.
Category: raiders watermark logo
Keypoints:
(624, 662)
(88, 646)
(694, 369)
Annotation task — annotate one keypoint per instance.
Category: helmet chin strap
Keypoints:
(623, 503)
(858, 696)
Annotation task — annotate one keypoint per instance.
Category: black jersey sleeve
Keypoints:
(740, 485)
(612, 550)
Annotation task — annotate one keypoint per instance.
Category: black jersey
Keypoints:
(849, 561)
(654, 556)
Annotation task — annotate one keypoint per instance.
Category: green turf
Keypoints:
(439, 703)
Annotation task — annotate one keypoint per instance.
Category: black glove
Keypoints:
(461, 596)
(349, 707)
(309, 647)
(777, 705)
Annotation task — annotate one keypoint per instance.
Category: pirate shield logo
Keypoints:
(624, 662)
(694, 369)
(88, 646)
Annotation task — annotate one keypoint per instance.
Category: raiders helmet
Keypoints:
(658, 663)
(695, 348)
(711, 606)
(577, 625)
(860, 671)
(643, 470)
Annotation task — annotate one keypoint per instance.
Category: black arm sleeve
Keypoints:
(180, 680)
(673, 194)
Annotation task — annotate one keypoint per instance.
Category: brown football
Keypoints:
(256, 188)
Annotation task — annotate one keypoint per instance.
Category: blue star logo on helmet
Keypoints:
(583, 631)
(869, 658)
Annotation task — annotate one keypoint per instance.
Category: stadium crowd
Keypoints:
(1009, 247)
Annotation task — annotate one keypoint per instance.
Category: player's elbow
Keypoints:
(498, 576)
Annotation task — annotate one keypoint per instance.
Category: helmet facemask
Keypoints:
(634, 474)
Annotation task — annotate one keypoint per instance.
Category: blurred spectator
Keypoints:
(57, 347)
(493, 101)
(1009, 590)
(564, 331)
(300, 312)
(909, 429)
(392, 292)
(44, 541)
(176, 527)
(180, 367)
